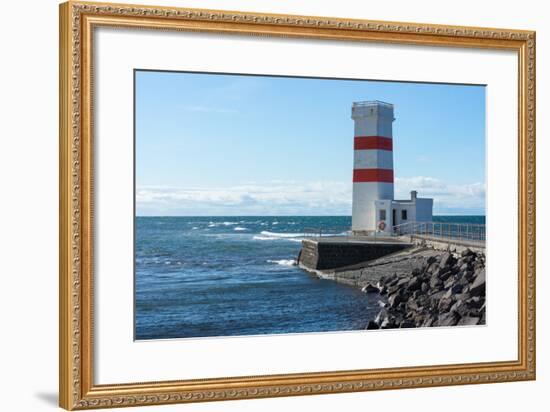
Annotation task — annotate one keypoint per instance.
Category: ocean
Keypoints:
(236, 276)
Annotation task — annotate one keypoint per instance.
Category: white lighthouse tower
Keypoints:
(373, 162)
(374, 207)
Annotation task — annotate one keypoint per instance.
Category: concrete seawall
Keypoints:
(333, 253)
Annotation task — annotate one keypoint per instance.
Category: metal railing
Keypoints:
(448, 230)
(340, 231)
(368, 103)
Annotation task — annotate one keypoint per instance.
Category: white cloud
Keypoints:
(299, 198)
(272, 198)
(448, 198)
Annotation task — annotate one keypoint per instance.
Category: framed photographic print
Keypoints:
(257, 205)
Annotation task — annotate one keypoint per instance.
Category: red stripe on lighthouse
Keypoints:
(372, 142)
(373, 175)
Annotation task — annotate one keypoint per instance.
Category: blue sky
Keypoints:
(209, 144)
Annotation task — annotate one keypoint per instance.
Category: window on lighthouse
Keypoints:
(383, 214)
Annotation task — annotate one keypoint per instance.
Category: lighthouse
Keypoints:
(372, 161)
(374, 208)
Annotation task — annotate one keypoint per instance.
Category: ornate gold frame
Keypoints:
(76, 386)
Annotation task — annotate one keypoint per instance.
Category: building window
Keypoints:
(403, 215)
(383, 214)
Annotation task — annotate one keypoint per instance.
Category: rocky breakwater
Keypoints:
(442, 290)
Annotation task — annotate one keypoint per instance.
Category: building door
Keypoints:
(393, 216)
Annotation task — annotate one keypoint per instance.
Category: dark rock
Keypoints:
(466, 252)
(445, 305)
(423, 300)
(448, 319)
(393, 290)
(435, 297)
(446, 260)
(462, 296)
(414, 283)
(403, 281)
(412, 305)
(382, 315)
(445, 274)
(424, 287)
(433, 267)
(430, 260)
(416, 294)
(368, 288)
(469, 275)
(478, 285)
(460, 307)
(389, 323)
(392, 281)
(435, 282)
(457, 288)
(449, 284)
(475, 302)
(464, 267)
(482, 319)
(438, 290)
(372, 325)
(469, 259)
(478, 269)
(401, 307)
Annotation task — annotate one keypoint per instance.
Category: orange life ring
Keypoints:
(382, 225)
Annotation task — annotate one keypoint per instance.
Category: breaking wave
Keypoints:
(283, 262)
(282, 235)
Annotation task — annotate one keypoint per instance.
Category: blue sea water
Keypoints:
(230, 276)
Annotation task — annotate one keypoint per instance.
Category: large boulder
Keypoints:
(467, 252)
(372, 325)
(414, 283)
(447, 260)
(369, 288)
(445, 273)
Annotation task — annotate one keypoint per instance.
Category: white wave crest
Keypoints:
(282, 235)
(239, 229)
(283, 262)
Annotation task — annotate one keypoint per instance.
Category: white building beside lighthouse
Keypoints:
(374, 207)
